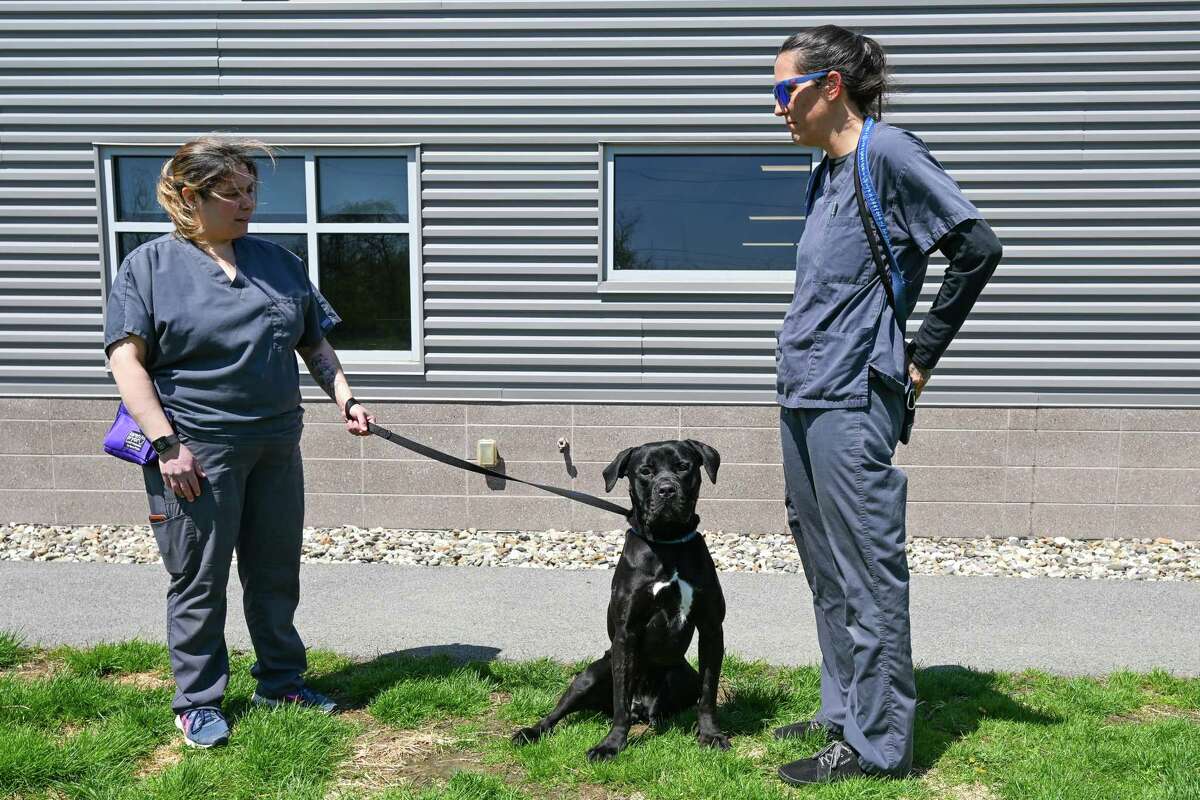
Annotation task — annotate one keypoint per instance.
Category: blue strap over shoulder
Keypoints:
(899, 293)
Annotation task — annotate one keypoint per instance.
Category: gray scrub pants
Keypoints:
(252, 502)
(845, 506)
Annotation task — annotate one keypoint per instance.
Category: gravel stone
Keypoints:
(1159, 559)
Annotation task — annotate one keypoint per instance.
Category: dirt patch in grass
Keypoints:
(1151, 713)
(48, 794)
(962, 791)
(973, 791)
(144, 680)
(382, 756)
(39, 667)
(67, 732)
(583, 791)
(162, 757)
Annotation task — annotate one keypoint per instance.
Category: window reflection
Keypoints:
(296, 242)
(362, 189)
(136, 179)
(365, 276)
(718, 212)
(280, 190)
(128, 242)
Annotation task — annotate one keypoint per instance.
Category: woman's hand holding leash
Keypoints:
(357, 418)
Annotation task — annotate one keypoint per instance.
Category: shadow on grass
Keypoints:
(953, 701)
(355, 685)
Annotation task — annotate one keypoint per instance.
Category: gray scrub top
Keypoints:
(840, 325)
(220, 353)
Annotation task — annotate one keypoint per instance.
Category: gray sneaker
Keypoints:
(203, 727)
(305, 697)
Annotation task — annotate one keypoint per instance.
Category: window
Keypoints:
(705, 214)
(346, 214)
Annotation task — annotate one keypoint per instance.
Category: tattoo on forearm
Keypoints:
(324, 371)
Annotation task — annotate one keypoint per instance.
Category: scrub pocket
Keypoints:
(790, 371)
(837, 369)
(176, 538)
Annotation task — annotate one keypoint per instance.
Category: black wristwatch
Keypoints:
(164, 443)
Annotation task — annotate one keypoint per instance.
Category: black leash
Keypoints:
(446, 458)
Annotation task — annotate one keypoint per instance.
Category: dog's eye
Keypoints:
(645, 471)
(683, 466)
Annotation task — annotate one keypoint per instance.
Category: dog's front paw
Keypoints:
(526, 735)
(713, 739)
(604, 751)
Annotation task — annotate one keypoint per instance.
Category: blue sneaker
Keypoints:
(203, 727)
(306, 697)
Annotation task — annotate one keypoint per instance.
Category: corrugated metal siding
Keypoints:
(1073, 125)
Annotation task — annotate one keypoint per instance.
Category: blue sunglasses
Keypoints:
(783, 89)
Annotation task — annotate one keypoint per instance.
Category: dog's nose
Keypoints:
(667, 490)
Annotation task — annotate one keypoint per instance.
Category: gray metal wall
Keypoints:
(1073, 125)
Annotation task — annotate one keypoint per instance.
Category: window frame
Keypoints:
(699, 281)
(362, 361)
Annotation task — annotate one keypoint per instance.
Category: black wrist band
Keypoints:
(351, 403)
(164, 443)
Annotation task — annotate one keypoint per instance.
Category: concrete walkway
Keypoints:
(1064, 626)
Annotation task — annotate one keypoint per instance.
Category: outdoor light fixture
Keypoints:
(485, 453)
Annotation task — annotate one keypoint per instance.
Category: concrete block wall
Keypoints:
(1080, 472)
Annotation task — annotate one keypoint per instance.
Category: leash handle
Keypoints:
(454, 461)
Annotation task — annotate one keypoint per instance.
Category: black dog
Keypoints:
(664, 588)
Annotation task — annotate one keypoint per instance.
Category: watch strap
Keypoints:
(164, 443)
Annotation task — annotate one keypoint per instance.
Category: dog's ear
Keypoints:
(616, 469)
(710, 457)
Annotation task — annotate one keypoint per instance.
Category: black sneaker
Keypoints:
(798, 730)
(306, 697)
(836, 762)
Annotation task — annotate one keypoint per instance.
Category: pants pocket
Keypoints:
(175, 537)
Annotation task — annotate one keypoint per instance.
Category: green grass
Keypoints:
(117, 658)
(12, 649)
(71, 726)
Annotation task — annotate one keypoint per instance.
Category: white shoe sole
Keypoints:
(189, 742)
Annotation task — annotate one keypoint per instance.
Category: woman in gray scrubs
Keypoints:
(843, 373)
(200, 331)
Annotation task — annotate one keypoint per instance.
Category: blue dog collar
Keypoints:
(687, 537)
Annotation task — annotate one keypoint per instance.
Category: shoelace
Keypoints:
(201, 717)
(831, 755)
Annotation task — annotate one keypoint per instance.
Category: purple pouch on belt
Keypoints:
(126, 441)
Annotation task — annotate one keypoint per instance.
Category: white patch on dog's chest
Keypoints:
(686, 593)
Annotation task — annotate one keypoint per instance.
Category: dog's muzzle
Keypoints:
(667, 499)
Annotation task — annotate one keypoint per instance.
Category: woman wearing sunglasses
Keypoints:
(844, 375)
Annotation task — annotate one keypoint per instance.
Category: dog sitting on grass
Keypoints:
(665, 588)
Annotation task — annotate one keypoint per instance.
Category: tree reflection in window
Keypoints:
(365, 276)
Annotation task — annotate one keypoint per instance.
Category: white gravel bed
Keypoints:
(1120, 559)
